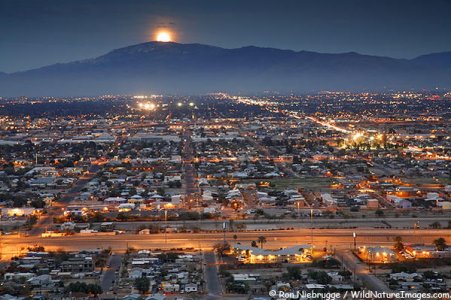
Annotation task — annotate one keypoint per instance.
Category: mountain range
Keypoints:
(174, 68)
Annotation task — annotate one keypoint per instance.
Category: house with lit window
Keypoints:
(255, 255)
(377, 254)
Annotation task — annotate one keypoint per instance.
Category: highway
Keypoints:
(337, 238)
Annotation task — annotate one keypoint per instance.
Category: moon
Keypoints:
(164, 36)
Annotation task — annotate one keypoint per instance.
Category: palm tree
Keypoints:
(261, 240)
(440, 244)
(399, 246)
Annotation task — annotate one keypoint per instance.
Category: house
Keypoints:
(78, 265)
(336, 277)
(295, 254)
(132, 297)
(114, 200)
(245, 277)
(14, 276)
(403, 203)
(42, 182)
(191, 288)
(403, 276)
(41, 280)
(135, 273)
(67, 226)
(156, 297)
(18, 212)
(377, 254)
(145, 231)
(170, 287)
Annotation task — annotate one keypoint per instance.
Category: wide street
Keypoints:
(305, 222)
(211, 276)
(11, 245)
(109, 274)
(353, 264)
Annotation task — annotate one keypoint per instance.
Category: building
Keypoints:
(255, 255)
(78, 265)
(377, 254)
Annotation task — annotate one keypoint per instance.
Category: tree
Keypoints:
(435, 225)
(261, 240)
(345, 273)
(94, 289)
(440, 244)
(379, 213)
(82, 287)
(321, 277)
(235, 237)
(253, 244)
(221, 247)
(399, 246)
(294, 273)
(242, 226)
(142, 284)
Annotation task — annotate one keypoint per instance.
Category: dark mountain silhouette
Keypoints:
(175, 68)
(437, 60)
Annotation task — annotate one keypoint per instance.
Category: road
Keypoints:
(189, 170)
(211, 276)
(337, 238)
(255, 224)
(109, 274)
(360, 270)
(46, 220)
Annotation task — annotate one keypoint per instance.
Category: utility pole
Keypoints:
(311, 226)
(224, 227)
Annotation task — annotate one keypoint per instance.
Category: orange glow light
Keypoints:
(163, 36)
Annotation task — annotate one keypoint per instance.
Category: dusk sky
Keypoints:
(38, 33)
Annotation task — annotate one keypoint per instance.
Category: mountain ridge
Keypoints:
(196, 68)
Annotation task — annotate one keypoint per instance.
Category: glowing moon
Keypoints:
(164, 36)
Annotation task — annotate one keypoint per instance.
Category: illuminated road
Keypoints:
(352, 263)
(336, 238)
(329, 125)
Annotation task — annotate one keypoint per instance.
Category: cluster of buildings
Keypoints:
(47, 275)
(168, 273)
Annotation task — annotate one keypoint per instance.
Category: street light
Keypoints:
(165, 227)
(355, 241)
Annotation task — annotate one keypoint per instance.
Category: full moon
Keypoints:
(164, 36)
